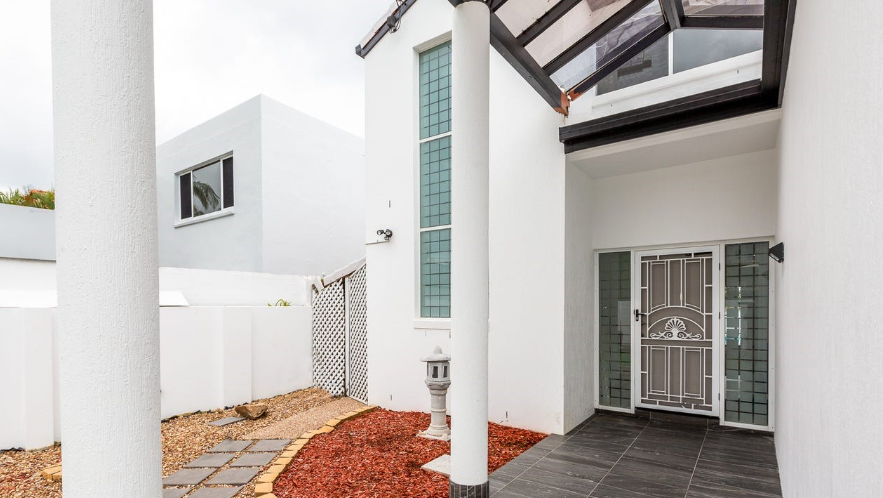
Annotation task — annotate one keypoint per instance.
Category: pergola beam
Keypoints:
(546, 21)
(723, 22)
(673, 15)
(779, 18)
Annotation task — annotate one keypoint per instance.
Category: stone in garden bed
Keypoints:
(252, 411)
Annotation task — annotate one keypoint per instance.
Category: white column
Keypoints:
(469, 245)
(108, 310)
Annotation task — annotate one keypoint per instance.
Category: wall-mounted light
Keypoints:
(777, 252)
(385, 233)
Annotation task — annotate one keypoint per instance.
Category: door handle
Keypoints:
(638, 315)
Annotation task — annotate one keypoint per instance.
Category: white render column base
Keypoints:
(106, 241)
(470, 87)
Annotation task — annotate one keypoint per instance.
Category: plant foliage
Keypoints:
(29, 197)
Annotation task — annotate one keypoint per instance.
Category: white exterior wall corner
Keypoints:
(227, 243)
(830, 287)
(28, 233)
(579, 278)
(527, 235)
(313, 188)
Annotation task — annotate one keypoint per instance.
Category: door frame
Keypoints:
(721, 384)
(717, 344)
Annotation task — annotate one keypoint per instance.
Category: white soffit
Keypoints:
(732, 137)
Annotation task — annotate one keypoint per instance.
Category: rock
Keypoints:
(252, 411)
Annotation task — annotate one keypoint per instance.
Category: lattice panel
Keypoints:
(357, 295)
(329, 339)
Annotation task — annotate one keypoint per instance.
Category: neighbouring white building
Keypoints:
(261, 187)
(595, 219)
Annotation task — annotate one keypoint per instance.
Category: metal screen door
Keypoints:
(677, 319)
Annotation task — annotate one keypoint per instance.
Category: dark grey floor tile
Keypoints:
(270, 445)
(602, 436)
(667, 448)
(509, 471)
(174, 492)
(603, 491)
(662, 460)
(187, 477)
(703, 489)
(574, 484)
(229, 445)
(234, 476)
(215, 492)
(253, 460)
(606, 446)
(503, 493)
(214, 460)
(743, 481)
(530, 456)
(225, 421)
(644, 486)
(744, 468)
(650, 472)
(551, 441)
(586, 457)
(578, 470)
(534, 490)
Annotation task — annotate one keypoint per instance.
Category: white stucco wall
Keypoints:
(228, 243)
(28, 233)
(721, 199)
(527, 205)
(831, 221)
(210, 357)
(313, 188)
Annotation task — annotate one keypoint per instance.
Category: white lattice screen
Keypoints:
(357, 312)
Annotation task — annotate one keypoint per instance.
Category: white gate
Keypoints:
(340, 333)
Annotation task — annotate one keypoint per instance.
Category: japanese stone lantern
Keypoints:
(438, 380)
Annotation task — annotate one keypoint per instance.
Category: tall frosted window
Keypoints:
(748, 333)
(435, 182)
(614, 339)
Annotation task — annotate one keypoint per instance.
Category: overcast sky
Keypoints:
(210, 55)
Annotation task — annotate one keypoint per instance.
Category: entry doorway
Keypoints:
(676, 337)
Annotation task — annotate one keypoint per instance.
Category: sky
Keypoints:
(210, 55)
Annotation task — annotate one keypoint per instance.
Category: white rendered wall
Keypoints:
(28, 233)
(721, 199)
(828, 432)
(313, 188)
(227, 243)
(527, 181)
(210, 357)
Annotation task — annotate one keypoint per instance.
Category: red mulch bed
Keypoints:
(379, 454)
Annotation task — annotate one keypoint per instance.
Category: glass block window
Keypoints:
(435, 91)
(748, 333)
(435, 183)
(614, 328)
(435, 273)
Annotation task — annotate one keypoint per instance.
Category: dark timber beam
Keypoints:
(593, 36)
(617, 62)
(507, 45)
(779, 18)
(397, 14)
(672, 15)
(547, 20)
(715, 105)
(723, 22)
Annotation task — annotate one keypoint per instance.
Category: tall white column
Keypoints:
(108, 309)
(469, 248)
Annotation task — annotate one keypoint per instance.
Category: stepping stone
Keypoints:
(269, 445)
(215, 492)
(442, 465)
(174, 492)
(235, 476)
(229, 445)
(214, 460)
(187, 477)
(226, 421)
(253, 460)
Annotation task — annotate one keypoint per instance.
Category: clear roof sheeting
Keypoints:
(614, 43)
(723, 7)
(518, 16)
(581, 19)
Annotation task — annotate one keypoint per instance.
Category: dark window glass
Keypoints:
(698, 47)
(207, 189)
(228, 182)
(614, 329)
(649, 65)
(186, 206)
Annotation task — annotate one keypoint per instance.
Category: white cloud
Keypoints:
(210, 55)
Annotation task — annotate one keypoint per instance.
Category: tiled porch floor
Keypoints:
(665, 456)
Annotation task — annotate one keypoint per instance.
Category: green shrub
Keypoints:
(29, 197)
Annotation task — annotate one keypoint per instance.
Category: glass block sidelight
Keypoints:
(615, 339)
(435, 91)
(435, 273)
(748, 333)
(435, 183)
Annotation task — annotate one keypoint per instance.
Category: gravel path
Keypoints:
(294, 426)
(183, 439)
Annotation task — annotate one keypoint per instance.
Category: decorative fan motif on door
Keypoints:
(675, 328)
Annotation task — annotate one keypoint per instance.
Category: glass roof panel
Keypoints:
(723, 7)
(574, 25)
(519, 15)
(608, 47)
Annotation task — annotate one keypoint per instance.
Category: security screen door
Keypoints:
(676, 313)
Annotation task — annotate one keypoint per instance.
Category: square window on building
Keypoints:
(206, 189)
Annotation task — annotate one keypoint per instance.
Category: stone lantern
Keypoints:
(438, 380)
